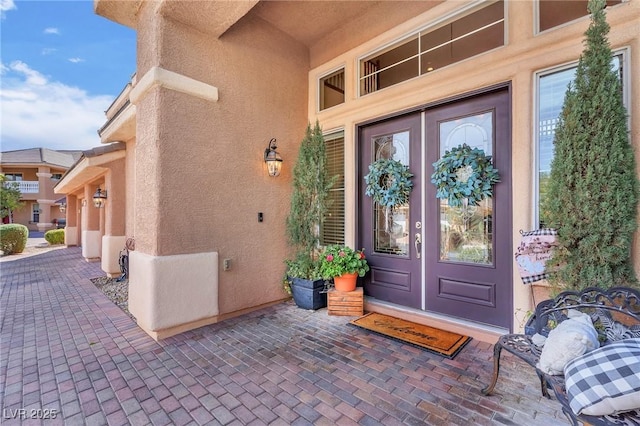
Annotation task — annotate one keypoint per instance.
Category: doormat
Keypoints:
(432, 339)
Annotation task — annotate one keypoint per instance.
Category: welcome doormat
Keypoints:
(432, 339)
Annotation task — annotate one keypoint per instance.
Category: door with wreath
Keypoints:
(391, 213)
(447, 248)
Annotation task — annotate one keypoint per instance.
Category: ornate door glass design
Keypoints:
(391, 226)
(466, 232)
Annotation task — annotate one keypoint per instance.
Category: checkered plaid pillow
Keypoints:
(605, 381)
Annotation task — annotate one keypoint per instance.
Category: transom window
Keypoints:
(434, 48)
(331, 90)
(553, 13)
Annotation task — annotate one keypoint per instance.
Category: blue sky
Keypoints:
(61, 67)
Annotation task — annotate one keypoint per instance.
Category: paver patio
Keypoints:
(67, 350)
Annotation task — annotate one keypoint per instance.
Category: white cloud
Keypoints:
(48, 51)
(37, 112)
(76, 60)
(51, 30)
(6, 5)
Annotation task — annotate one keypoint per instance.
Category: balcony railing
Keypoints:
(24, 186)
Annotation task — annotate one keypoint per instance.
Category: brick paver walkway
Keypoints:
(68, 352)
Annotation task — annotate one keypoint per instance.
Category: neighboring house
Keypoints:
(217, 80)
(35, 171)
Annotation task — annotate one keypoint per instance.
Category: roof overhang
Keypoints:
(121, 127)
(210, 17)
(85, 171)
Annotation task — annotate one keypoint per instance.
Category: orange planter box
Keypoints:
(345, 303)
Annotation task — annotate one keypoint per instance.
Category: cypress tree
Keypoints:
(309, 202)
(593, 190)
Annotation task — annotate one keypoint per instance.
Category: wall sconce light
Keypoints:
(99, 198)
(63, 207)
(272, 158)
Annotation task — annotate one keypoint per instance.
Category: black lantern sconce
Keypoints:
(99, 198)
(63, 207)
(272, 158)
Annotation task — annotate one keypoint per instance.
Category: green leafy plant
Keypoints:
(388, 183)
(337, 260)
(592, 194)
(13, 238)
(9, 197)
(464, 173)
(309, 203)
(54, 236)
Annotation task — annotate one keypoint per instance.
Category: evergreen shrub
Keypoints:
(592, 197)
(54, 236)
(13, 238)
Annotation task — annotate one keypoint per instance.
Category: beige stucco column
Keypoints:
(45, 200)
(200, 179)
(170, 289)
(114, 237)
(91, 235)
(71, 229)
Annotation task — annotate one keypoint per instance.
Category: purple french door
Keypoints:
(428, 255)
(391, 237)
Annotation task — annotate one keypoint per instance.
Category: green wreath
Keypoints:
(389, 183)
(464, 173)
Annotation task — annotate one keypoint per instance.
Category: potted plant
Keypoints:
(309, 202)
(344, 265)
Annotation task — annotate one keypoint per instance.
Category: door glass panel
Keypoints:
(466, 233)
(391, 226)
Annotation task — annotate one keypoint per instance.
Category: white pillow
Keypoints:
(573, 337)
(605, 381)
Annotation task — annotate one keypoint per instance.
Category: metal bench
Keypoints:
(607, 308)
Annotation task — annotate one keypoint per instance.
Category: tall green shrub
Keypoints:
(309, 199)
(54, 236)
(13, 238)
(593, 190)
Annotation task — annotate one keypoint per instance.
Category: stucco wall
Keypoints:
(516, 62)
(200, 174)
(130, 188)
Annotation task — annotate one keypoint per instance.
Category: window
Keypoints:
(552, 13)
(14, 177)
(551, 88)
(56, 176)
(332, 231)
(35, 212)
(434, 48)
(332, 89)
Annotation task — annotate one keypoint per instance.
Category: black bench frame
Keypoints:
(619, 304)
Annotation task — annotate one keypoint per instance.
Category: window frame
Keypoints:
(319, 95)
(422, 31)
(14, 175)
(35, 213)
(536, 12)
(329, 136)
(624, 54)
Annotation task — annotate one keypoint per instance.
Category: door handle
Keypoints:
(418, 243)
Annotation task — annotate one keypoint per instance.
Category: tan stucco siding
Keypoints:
(200, 175)
(130, 188)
